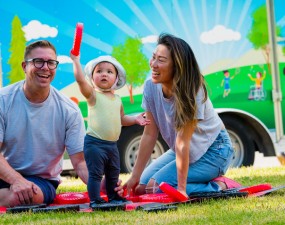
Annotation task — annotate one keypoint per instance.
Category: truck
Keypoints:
(239, 45)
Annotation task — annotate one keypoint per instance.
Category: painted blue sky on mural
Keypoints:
(109, 22)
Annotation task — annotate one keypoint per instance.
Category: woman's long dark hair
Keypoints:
(187, 79)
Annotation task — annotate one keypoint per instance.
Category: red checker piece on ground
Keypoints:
(158, 197)
(71, 198)
(256, 188)
(172, 192)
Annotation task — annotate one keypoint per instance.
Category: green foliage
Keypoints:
(17, 49)
(133, 60)
(258, 34)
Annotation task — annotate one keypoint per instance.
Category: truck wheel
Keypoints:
(242, 143)
(128, 146)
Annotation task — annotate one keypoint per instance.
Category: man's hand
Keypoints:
(25, 190)
(119, 189)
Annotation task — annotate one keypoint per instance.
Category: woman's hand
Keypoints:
(184, 193)
(131, 185)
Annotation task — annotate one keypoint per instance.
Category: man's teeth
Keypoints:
(44, 76)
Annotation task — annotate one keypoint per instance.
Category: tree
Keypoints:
(17, 49)
(134, 61)
(258, 34)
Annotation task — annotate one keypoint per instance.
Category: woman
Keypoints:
(176, 103)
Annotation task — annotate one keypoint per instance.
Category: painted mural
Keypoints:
(222, 33)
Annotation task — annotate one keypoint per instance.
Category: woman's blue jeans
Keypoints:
(212, 164)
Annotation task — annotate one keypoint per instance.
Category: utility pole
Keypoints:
(276, 88)
(1, 73)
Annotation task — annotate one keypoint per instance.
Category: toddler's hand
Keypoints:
(141, 120)
(73, 57)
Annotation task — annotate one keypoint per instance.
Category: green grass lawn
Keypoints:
(269, 209)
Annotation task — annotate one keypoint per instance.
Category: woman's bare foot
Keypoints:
(226, 183)
(221, 184)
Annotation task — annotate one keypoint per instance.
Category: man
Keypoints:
(37, 124)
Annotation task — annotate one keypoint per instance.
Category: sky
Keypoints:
(215, 29)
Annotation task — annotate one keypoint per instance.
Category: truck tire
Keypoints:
(243, 145)
(128, 145)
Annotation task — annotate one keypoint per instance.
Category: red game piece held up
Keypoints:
(77, 39)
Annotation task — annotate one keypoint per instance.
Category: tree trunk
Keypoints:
(267, 56)
(130, 88)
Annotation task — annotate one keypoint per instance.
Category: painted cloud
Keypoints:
(64, 59)
(35, 29)
(150, 39)
(219, 34)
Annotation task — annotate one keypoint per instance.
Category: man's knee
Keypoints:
(9, 198)
(38, 198)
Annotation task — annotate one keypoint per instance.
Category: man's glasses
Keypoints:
(39, 63)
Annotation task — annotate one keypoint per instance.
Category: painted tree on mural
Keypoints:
(134, 61)
(258, 34)
(17, 48)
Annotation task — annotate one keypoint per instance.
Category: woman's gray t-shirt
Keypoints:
(162, 109)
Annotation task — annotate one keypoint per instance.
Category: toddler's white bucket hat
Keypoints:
(89, 68)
